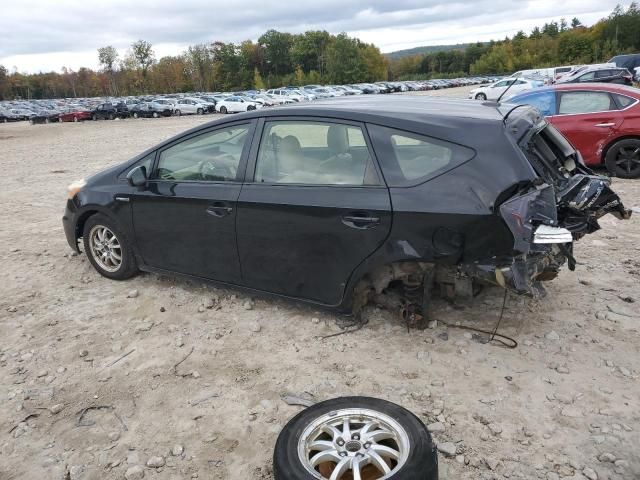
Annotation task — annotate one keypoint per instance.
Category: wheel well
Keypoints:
(82, 220)
(605, 150)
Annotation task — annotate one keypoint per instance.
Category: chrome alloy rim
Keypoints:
(351, 443)
(105, 248)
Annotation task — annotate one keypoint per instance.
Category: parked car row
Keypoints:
(146, 106)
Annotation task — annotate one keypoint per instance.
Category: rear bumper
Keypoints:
(69, 222)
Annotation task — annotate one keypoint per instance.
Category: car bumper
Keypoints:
(69, 221)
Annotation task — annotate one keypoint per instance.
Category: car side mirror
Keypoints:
(138, 176)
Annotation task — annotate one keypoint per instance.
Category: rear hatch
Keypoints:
(567, 195)
(562, 204)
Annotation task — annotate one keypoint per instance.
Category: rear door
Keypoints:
(184, 220)
(316, 208)
(589, 119)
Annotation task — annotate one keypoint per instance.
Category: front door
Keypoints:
(184, 220)
(315, 210)
(589, 119)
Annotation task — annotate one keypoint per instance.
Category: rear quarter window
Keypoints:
(409, 159)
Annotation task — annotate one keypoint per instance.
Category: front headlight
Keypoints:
(75, 187)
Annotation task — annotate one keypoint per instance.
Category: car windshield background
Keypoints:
(212, 156)
(410, 159)
(585, 102)
(314, 153)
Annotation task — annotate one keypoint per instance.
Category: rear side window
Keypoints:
(585, 102)
(623, 100)
(409, 159)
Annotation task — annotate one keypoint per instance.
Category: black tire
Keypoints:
(200, 111)
(94, 117)
(135, 114)
(128, 267)
(223, 110)
(623, 158)
(421, 463)
(481, 96)
(75, 119)
(177, 113)
(111, 116)
(155, 115)
(250, 107)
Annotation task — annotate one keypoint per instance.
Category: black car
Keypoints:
(630, 61)
(108, 111)
(335, 201)
(45, 116)
(150, 109)
(621, 76)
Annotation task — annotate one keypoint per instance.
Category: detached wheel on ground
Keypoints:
(481, 96)
(623, 158)
(107, 248)
(352, 438)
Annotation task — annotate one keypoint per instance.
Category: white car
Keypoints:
(235, 104)
(190, 105)
(495, 90)
(283, 92)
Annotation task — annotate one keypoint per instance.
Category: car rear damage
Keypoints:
(562, 203)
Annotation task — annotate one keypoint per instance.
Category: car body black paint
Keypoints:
(292, 240)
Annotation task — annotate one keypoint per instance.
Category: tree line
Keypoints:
(276, 59)
(555, 43)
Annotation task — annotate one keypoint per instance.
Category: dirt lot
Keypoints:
(98, 376)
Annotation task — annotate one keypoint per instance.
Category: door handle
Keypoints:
(605, 125)
(360, 220)
(219, 209)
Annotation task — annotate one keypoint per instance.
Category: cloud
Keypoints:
(41, 34)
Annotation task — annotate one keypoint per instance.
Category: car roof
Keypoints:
(609, 87)
(411, 108)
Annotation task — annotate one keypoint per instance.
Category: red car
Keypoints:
(75, 115)
(601, 120)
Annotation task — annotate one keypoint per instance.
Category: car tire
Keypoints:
(111, 116)
(94, 117)
(250, 107)
(410, 439)
(75, 119)
(481, 96)
(200, 111)
(223, 110)
(94, 243)
(623, 158)
(155, 115)
(177, 113)
(135, 114)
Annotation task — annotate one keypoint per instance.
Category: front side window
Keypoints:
(585, 102)
(587, 77)
(314, 153)
(409, 159)
(212, 156)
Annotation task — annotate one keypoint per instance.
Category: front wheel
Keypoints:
(623, 158)
(135, 114)
(223, 110)
(200, 111)
(177, 113)
(155, 115)
(94, 117)
(107, 248)
(355, 437)
(250, 107)
(481, 96)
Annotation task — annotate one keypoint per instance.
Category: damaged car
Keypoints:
(340, 201)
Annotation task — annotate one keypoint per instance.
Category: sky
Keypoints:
(45, 35)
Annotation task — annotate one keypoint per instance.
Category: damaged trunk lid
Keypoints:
(562, 205)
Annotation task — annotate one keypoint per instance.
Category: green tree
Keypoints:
(142, 53)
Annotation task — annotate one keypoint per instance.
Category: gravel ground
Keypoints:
(174, 380)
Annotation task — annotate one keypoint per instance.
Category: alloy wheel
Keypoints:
(105, 248)
(354, 444)
(628, 158)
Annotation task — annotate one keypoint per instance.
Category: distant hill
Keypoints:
(426, 49)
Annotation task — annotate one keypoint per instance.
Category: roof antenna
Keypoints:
(507, 89)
